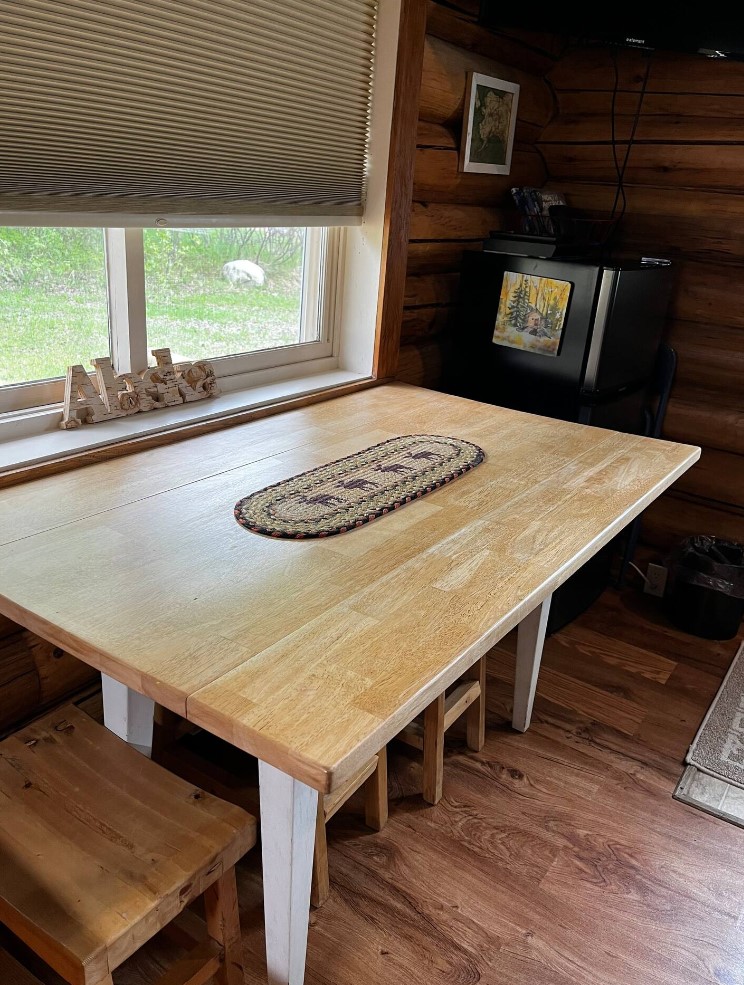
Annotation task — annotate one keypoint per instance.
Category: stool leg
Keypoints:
(108, 980)
(475, 714)
(320, 888)
(223, 926)
(376, 794)
(434, 750)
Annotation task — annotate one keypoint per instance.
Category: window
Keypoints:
(150, 128)
(246, 298)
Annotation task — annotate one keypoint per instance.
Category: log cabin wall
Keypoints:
(684, 184)
(36, 675)
(451, 210)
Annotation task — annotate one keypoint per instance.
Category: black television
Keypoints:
(714, 36)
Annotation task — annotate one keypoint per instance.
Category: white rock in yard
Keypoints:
(244, 272)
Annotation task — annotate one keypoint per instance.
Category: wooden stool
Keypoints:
(232, 774)
(374, 779)
(468, 697)
(100, 849)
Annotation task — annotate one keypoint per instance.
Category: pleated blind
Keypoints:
(213, 111)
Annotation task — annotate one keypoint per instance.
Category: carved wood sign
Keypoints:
(164, 385)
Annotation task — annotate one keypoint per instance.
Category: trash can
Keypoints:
(705, 587)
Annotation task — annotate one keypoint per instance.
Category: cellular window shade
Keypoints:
(211, 110)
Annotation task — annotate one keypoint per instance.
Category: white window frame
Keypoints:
(32, 437)
(128, 343)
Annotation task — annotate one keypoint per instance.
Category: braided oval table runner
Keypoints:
(352, 491)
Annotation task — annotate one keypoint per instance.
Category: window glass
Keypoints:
(220, 292)
(53, 301)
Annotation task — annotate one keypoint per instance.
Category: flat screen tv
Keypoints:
(716, 36)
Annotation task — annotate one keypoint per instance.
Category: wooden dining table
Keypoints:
(313, 654)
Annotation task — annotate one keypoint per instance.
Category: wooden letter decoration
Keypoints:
(164, 385)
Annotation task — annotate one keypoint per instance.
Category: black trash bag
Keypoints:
(705, 587)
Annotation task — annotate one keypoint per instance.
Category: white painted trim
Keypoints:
(159, 221)
(530, 641)
(125, 277)
(288, 812)
(128, 714)
(361, 256)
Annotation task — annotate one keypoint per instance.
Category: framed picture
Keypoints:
(532, 312)
(488, 124)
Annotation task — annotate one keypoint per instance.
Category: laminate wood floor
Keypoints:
(557, 857)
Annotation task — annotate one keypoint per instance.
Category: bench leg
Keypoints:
(321, 883)
(288, 817)
(530, 640)
(223, 926)
(475, 714)
(128, 714)
(434, 750)
(376, 794)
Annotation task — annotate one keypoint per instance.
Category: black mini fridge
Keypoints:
(574, 339)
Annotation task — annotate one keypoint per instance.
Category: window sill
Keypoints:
(38, 439)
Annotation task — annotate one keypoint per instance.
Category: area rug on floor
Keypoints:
(714, 778)
(718, 747)
(709, 794)
(352, 491)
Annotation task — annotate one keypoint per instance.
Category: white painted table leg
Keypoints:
(128, 714)
(530, 639)
(288, 810)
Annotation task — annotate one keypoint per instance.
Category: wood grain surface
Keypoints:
(312, 655)
(102, 848)
(556, 857)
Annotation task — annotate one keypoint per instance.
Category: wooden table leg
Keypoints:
(128, 714)
(530, 639)
(288, 814)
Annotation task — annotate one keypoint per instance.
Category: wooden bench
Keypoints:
(100, 849)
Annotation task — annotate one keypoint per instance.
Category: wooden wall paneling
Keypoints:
(424, 323)
(535, 52)
(437, 178)
(684, 187)
(708, 293)
(655, 200)
(701, 418)
(35, 675)
(717, 476)
(431, 256)
(670, 165)
(706, 239)
(427, 289)
(586, 116)
(445, 67)
(421, 364)
(399, 185)
(453, 211)
(451, 221)
(674, 516)
(710, 356)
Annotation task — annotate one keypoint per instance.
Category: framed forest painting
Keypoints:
(488, 124)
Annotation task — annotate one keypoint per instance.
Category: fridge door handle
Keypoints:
(601, 319)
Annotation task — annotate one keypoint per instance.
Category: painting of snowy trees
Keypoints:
(532, 312)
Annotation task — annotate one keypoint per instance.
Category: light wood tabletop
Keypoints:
(313, 654)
